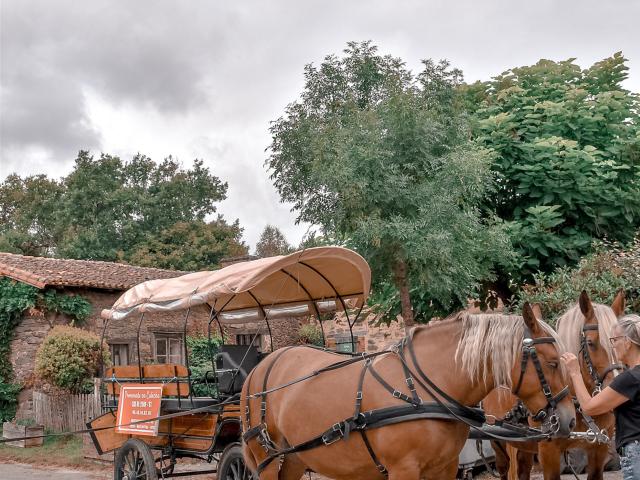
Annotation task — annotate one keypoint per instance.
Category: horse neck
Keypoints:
(435, 347)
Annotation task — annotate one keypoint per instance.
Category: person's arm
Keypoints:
(603, 402)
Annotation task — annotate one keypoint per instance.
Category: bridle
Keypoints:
(598, 379)
(529, 353)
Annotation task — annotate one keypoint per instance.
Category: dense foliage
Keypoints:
(200, 354)
(382, 158)
(191, 246)
(610, 268)
(15, 298)
(115, 210)
(310, 334)
(272, 242)
(567, 157)
(69, 359)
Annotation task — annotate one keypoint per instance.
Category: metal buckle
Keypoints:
(547, 391)
(336, 428)
(396, 394)
(361, 421)
(359, 395)
(410, 383)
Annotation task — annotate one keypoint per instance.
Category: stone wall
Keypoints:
(369, 333)
(35, 325)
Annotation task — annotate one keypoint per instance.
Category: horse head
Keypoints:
(595, 354)
(538, 378)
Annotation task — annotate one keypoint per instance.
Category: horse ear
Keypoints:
(530, 319)
(618, 303)
(585, 305)
(537, 311)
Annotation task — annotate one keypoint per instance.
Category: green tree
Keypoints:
(110, 206)
(272, 242)
(191, 246)
(567, 156)
(380, 157)
(28, 214)
(115, 210)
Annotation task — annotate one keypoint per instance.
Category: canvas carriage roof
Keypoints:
(313, 278)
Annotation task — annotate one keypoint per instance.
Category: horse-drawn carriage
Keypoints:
(413, 402)
(314, 282)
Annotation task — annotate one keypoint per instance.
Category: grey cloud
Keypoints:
(235, 65)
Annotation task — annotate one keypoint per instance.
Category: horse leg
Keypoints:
(525, 464)
(597, 460)
(549, 460)
(502, 459)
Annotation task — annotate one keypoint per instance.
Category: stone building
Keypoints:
(161, 339)
(101, 283)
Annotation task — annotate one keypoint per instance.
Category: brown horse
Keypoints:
(584, 330)
(465, 356)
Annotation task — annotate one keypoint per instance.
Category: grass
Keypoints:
(65, 451)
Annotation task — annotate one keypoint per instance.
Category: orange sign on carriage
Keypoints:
(138, 402)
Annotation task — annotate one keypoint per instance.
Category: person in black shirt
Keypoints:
(622, 395)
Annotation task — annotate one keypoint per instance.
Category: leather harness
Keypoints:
(443, 406)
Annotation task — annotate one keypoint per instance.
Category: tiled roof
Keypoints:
(41, 272)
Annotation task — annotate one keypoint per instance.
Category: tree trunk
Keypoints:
(402, 282)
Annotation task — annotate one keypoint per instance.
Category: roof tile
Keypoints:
(41, 272)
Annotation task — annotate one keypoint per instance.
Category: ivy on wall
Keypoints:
(15, 298)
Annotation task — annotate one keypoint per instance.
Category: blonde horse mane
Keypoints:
(493, 342)
(570, 326)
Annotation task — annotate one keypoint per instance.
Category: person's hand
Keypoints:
(571, 363)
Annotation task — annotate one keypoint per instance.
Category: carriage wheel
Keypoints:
(232, 466)
(134, 461)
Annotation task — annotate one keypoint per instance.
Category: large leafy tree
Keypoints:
(115, 210)
(567, 156)
(272, 242)
(29, 209)
(380, 157)
(191, 245)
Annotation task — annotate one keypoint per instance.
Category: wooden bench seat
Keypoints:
(174, 376)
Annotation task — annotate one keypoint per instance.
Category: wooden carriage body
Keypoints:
(206, 432)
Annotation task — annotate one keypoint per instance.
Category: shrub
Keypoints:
(69, 358)
(610, 268)
(311, 334)
(200, 353)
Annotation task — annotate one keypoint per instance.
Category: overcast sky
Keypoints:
(203, 79)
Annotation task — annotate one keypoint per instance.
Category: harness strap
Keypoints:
(263, 403)
(408, 378)
(395, 393)
(381, 468)
(598, 379)
(432, 387)
(373, 419)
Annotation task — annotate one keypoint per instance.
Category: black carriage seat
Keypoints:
(234, 362)
(173, 405)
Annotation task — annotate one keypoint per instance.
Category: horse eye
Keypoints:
(591, 344)
(553, 365)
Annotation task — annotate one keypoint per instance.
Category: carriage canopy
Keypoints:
(313, 280)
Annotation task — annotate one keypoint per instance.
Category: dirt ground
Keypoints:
(16, 471)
